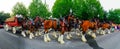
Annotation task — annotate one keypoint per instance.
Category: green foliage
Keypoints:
(114, 15)
(19, 8)
(3, 17)
(83, 9)
(91, 9)
(77, 7)
(37, 8)
(61, 8)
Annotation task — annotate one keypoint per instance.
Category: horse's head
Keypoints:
(36, 19)
(42, 20)
(71, 17)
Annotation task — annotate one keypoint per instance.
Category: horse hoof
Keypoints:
(59, 39)
(36, 34)
(67, 37)
(48, 39)
(55, 36)
(45, 41)
(39, 34)
(109, 32)
(62, 42)
(84, 41)
(93, 35)
(30, 37)
(78, 34)
(70, 36)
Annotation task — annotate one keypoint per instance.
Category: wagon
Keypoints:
(13, 23)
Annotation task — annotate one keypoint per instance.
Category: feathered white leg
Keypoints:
(109, 31)
(97, 31)
(83, 38)
(103, 32)
(54, 34)
(14, 30)
(45, 38)
(77, 30)
(61, 40)
(39, 33)
(93, 35)
(89, 32)
(6, 27)
(36, 33)
(23, 34)
(68, 37)
(31, 35)
(48, 38)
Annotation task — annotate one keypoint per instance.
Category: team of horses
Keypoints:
(62, 26)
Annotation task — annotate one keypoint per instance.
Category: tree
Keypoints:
(61, 8)
(77, 7)
(92, 9)
(3, 17)
(19, 8)
(83, 9)
(37, 8)
(114, 15)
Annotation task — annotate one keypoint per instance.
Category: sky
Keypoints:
(7, 5)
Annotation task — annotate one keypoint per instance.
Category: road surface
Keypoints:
(12, 41)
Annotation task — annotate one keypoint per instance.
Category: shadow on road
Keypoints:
(92, 43)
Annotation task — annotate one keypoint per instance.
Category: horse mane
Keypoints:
(66, 17)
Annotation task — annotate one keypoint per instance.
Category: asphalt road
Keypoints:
(12, 41)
